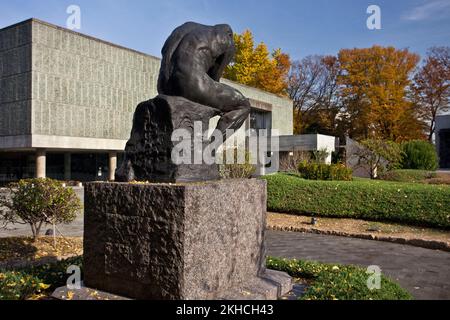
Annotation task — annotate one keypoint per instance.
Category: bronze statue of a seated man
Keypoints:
(194, 58)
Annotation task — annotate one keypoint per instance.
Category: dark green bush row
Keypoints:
(321, 171)
(408, 203)
(337, 282)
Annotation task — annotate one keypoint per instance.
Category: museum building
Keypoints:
(67, 102)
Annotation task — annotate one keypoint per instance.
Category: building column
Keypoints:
(67, 166)
(112, 166)
(41, 163)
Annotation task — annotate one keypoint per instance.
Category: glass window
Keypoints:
(260, 120)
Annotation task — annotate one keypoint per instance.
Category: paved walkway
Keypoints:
(424, 273)
(75, 229)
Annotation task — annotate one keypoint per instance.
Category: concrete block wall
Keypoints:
(15, 80)
(83, 87)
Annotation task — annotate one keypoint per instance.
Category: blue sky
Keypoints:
(299, 27)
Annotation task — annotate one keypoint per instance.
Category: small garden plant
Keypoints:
(37, 202)
(237, 170)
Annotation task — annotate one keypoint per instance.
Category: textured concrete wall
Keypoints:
(84, 87)
(62, 84)
(15, 80)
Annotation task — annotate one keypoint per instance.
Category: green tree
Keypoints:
(378, 156)
(37, 202)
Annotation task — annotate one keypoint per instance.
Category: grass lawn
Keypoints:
(338, 282)
(25, 249)
(375, 200)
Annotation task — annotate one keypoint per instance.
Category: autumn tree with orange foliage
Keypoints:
(431, 88)
(374, 88)
(256, 67)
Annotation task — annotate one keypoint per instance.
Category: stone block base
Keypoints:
(202, 241)
(148, 153)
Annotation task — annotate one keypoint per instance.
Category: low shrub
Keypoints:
(338, 282)
(320, 156)
(37, 202)
(321, 171)
(419, 155)
(289, 161)
(408, 175)
(237, 170)
(407, 203)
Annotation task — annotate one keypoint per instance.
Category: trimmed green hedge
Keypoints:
(338, 282)
(322, 171)
(408, 203)
(408, 175)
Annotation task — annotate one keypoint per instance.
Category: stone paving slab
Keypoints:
(423, 272)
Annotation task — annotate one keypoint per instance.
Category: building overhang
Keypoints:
(307, 142)
(24, 142)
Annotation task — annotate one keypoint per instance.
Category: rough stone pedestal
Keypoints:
(179, 242)
(148, 153)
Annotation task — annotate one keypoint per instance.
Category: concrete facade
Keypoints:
(15, 80)
(66, 85)
(62, 90)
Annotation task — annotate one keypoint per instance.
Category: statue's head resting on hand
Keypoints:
(194, 47)
(194, 59)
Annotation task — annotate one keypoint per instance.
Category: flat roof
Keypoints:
(79, 34)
